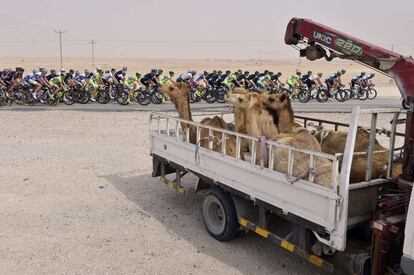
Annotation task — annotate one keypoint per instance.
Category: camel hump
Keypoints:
(218, 122)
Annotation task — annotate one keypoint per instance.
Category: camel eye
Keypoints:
(271, 99)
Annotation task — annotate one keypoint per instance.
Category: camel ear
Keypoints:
(283, 97)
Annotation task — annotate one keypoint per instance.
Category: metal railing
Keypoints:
(170, 126)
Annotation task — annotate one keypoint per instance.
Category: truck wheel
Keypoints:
(219, 215)
(405, 104)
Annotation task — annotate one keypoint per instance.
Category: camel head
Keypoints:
(238, 97)
(276, 102)
(177, 91)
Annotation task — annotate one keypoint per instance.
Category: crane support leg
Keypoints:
(408, 164)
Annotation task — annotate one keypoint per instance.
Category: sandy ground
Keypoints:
(76, 197)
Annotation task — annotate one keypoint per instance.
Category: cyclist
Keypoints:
(219, 81)
(167, 79)
(14, 78)
(51, 75)
(31, 79)
(294, 81)
(231, 81)
(120, 76)
(188, 77)
(132, 85)
(305, 77)
(242, 79)
(69, 78)
(214, 79)
(366, 80)
(251, 80)
(95, 81)
(263, 81)
(356, 80)
(57, 82)
(275, 80)
(150, 79)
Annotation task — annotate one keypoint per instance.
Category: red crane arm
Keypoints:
(318, 37)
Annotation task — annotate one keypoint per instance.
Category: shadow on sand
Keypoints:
(181, 214)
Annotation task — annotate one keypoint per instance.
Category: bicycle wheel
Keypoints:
(363, 94)
(209, 96)
(221, 96)
(102, 97)
(342, 95)
(68, 97)
(122, 98)
(143, 98)
(304, 95)
(371, 93)
(156, 97)
(322, 96)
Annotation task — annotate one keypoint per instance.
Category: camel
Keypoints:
(334, 142)
(281, 110)
(178, 93)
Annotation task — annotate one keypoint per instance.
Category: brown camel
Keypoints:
(178, 93)
(280, 107)
(334, 142)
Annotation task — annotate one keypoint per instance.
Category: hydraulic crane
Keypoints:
(324, 42)
(316, 41)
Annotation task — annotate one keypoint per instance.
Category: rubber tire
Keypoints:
(143, 98)
(156, 97)
(405, 105)
(84, 97)
(68, 97)
(372, 94)
(304, 96)
(122, 98)
(342, 95)
(102, 97)
(322, 96)
(223, 200)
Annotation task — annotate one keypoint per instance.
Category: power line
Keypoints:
(60, 46)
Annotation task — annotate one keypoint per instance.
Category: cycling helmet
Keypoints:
(62, 72)
(19, 69)
(34, 71)
(71, 71)
(124, 69)
(228, 72)
(246, 73)
(205, 73)
(343, 71)
(256, 72)
(239, 71)
(87, 72)
(309, 72)
(219, 72)
(77, 73)
(372, 75)
(107, 71)
(266, 72)
(214, 72)
(338, 73)
(279, 74)
(362, 73)
(298, 73)
(138, 75)
(192, 71)
(320, 74)
(43, 69)
(171, 73)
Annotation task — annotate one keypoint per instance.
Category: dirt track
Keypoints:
(76, 197)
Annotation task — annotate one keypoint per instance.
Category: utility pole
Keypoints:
(93, 42)
(260, 58)
(60, 44)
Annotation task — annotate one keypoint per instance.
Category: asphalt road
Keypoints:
(330, 106)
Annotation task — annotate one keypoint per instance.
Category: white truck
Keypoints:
(339, 228)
